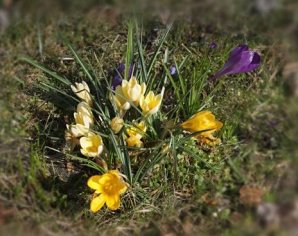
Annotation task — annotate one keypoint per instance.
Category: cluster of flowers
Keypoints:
(132, 93)
(127, 93)
(111, 185)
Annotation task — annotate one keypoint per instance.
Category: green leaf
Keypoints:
(47, 71)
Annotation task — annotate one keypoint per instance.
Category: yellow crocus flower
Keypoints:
(206, 122)
(150, 103)
(84, 120)
(91, 145)
(108, 188)
(137, 129)
(134, 141)
(135, 134)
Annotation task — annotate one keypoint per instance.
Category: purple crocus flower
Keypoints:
(241, 60)
(117, 79)
(213, 45)
(173, 70)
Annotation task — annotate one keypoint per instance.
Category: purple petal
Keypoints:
(172, 70)
(213, 45)
(121, 68)
(238, 50)
(241, 60)
(117, 79)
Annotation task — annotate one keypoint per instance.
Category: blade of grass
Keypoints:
(47, 71)
(141, 54)
(129, 49)
(152, 62)
(86, 162)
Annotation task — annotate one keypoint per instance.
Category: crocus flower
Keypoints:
(84, 115)
(117, 79)
(134, 141)
(120, 100)
(173, 70)
(82, 91)
(241, 60)
(77, 130)
(128, 91)
(132, 90)
(206, 123)
(137, 129)
(117, 124)
(71, 138)
(213, 45)
(84, 120)
(108, 188)
(91, 145)
(150, 103)
(135, 134)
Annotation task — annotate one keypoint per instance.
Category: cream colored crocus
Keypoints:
(91, 145)
(108, 188)
(82, 91)
(84, 115)
(117, 124)
(150, 103)
(71, 138)
(132, 90)
(77, 130)
(120, 100)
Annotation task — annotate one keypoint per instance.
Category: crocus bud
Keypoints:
(117, 124)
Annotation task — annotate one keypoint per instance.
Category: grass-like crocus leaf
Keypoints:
(47, 71)
(129, 50)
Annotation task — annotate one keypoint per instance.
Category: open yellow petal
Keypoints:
(97, 203)
(123, 189)
(113, 202)
(134, 141)
(85, 142)
(219, 125)
(93, 183)
(106, 178)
